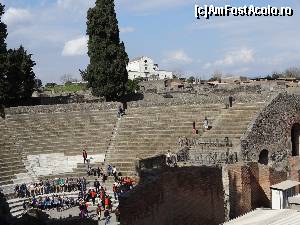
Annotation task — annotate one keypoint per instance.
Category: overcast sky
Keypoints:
(165, 30)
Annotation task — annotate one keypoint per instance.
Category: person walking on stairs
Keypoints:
(194, 131)
(84, 156)
(114, 172)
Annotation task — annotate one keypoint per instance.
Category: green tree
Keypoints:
(3, 31)
(132, 86)
(20, 76)
(3, 35)
(106, 73)
(191, 79)
(16, 70)
(276, 75)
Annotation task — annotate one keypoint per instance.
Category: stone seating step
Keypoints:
(227, 132)
(241, 119)
(222, 136)
(171, 115)
(162, 135)
(168, 109)
(5, 177)
(11, 172)
(129, 149)
(170, 120)
(11, 157)
(6, 181)
(11, 164)
(56, 127)
(63, 146)
(145, 143)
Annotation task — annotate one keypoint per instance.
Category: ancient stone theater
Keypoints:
(196, 158)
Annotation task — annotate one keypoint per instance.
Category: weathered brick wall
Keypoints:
(239, 190)
(249, 187)
(188, 195)
(262, 177)
(294, 170)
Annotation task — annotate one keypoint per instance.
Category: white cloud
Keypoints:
(240, 56)
(76, 47)
(178, 56)
(16, 15)
(76, 5)
(151, 6)
(127, 29)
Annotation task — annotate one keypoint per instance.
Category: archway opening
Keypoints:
(295, 136)
(264, 157)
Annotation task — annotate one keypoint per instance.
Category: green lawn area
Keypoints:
(69, 88)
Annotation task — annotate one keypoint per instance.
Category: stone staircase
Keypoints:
(147, 131)
(233, 123)
(111, 146)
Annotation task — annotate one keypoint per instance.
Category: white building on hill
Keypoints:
(144, 67)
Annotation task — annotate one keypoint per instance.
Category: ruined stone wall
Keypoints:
(271, 130)
(241, 94)
(210, 97)
(188, 195)
(61, 108)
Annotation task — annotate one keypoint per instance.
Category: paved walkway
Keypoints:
(53, 213)
(75, 212)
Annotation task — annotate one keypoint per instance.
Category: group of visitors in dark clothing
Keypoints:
(59, 202)
(57, 185)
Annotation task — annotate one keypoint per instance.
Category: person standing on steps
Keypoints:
(194, 131)
(115, 190)
(93, 196)
(230, 99)
(98, 172)
(84, 155)
(97, 185)
(168, 158)
(114, 172)
(205, 124)
(120, 112)
(109, 170)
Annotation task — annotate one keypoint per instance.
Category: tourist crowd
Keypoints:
(100, 198)
(59, 202)
(57, 185)
(51, 193)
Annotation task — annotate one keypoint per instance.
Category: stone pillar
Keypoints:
(240, 190)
